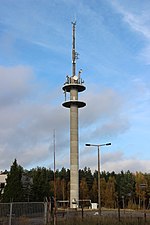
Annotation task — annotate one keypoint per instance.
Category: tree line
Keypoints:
(124, 189)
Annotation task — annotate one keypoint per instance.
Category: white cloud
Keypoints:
(101, 104)
(139, 21)
(26, 124)
(112, 161)
(104, 116)
(14, 84)
(128, 164)
(112, 128)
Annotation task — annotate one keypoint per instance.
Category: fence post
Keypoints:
(45, 213)
(10, 213)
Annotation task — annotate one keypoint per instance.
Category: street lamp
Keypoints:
(99, 194)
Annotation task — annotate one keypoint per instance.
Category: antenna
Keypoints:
(75, 16)
(73, 49)
(79, 74)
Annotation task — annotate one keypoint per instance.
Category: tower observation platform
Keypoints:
(73, 85)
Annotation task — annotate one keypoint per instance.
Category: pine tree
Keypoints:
(13, 190)
(94, 191)
(41, 186)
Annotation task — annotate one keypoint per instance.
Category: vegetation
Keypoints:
(13, 190)
(103, 221)
(124, 190)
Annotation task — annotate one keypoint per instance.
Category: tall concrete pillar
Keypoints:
(73, 85)
(74, 158)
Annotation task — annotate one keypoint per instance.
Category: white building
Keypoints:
(3, 178)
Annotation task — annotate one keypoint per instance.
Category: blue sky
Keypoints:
(113, 40)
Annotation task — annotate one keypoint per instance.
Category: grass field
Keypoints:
(107, 218)
(103, 221)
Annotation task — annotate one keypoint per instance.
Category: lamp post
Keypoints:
(99, 194)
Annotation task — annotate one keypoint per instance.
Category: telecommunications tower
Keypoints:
(73, 85)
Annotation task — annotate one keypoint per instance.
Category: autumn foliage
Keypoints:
(124, 189)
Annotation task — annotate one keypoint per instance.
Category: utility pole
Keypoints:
(55, 206)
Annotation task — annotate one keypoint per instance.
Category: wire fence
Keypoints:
(42, 213)
(26, 213)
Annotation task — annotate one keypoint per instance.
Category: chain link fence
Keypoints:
(26, 213)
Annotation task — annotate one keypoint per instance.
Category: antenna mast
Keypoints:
(73, 49)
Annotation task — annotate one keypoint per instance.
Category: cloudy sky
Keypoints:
(113, 40)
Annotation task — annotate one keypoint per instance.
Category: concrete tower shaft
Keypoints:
(74, 85)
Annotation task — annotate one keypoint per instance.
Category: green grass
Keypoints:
(103, 221)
